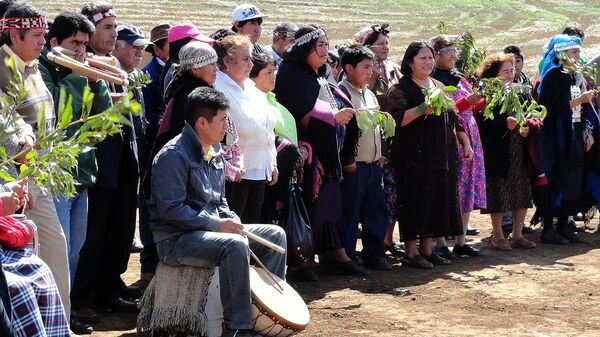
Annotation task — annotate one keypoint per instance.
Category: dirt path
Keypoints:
(548, 291)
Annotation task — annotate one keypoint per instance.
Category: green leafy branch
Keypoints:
(469, 57)
(139, 79)
(588, 70)
(507, 97)
(437, 99)
(366, 118)
(52, 159)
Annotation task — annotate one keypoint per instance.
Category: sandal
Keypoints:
(500, 244)
(521, 243)
(437, 260)
(416, 261)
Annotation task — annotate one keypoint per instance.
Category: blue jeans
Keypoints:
(230, 252)
(363, 201)
(72, 214)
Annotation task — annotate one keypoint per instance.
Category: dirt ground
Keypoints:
(547, 291)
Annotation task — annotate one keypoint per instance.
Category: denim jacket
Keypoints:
(188, 193)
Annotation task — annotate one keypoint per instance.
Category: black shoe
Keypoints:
(351, 268)
(552, 237)
(85, 315)
(472, 231)
(417, 261)
(377, 263)
(131, 292)
(465, 250)
(237, 333)
(574, 228)
(572, 237)
(122, 305)
(136, 246)
(80, 328)
(302, 275)
(437, 260)
(527, 229)
(445, 253)
(395, 249)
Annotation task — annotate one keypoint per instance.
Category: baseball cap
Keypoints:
(132, 35)
(183, 30)
(158, 33)
(246, 12)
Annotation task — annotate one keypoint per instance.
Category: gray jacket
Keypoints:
(188, 193)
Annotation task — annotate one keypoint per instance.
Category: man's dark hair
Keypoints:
(221, 33)
(514, 50)
(4, 4)
(67, 24)
(260, 61)
(204, 102)
(94, 7)
(243, 23)
(19, 9)
(355, 54)
(574, 29)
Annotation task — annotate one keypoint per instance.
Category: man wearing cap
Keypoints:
(283, 36)
(247, 20)
(23, 37)
(154, 108)
(72, 31)
(179, 36)
(112, 201)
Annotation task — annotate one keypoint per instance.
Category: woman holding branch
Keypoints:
(507, 183)
(424, 156)
(568, 134)
(471, 173)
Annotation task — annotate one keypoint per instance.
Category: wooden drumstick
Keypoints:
(269, 274)
(265, 242)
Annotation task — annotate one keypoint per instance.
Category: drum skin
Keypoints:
(276, 312)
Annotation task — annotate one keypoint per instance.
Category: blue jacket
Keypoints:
(153, 99)
(188, 192)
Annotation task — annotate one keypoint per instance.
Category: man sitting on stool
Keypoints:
(189, 216)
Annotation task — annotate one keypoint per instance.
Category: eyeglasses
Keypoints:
(285, 35)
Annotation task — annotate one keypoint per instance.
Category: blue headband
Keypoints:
(557, 44)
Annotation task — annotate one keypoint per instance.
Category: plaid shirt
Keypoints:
(37, 310)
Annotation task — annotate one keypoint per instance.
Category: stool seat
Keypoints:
(175, 301)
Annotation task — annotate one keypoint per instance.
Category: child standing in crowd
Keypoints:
(362, 186)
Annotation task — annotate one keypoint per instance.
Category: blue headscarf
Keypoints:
(557, 44)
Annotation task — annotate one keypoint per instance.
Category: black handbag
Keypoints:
(297, 228)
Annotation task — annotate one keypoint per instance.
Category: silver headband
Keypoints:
(306, 38)
(199, 62)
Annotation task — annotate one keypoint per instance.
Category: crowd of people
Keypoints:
(230, 130)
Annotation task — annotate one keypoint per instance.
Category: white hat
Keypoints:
(246, 12)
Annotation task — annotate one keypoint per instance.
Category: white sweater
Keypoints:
(249, 110)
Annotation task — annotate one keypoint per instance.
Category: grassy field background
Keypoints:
(495, 24)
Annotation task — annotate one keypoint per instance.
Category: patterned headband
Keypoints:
(562, 46)
(200, 61)
(306, 38)
(103, 15)
(23, 23)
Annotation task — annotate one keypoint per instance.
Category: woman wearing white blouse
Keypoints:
(255, 125)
